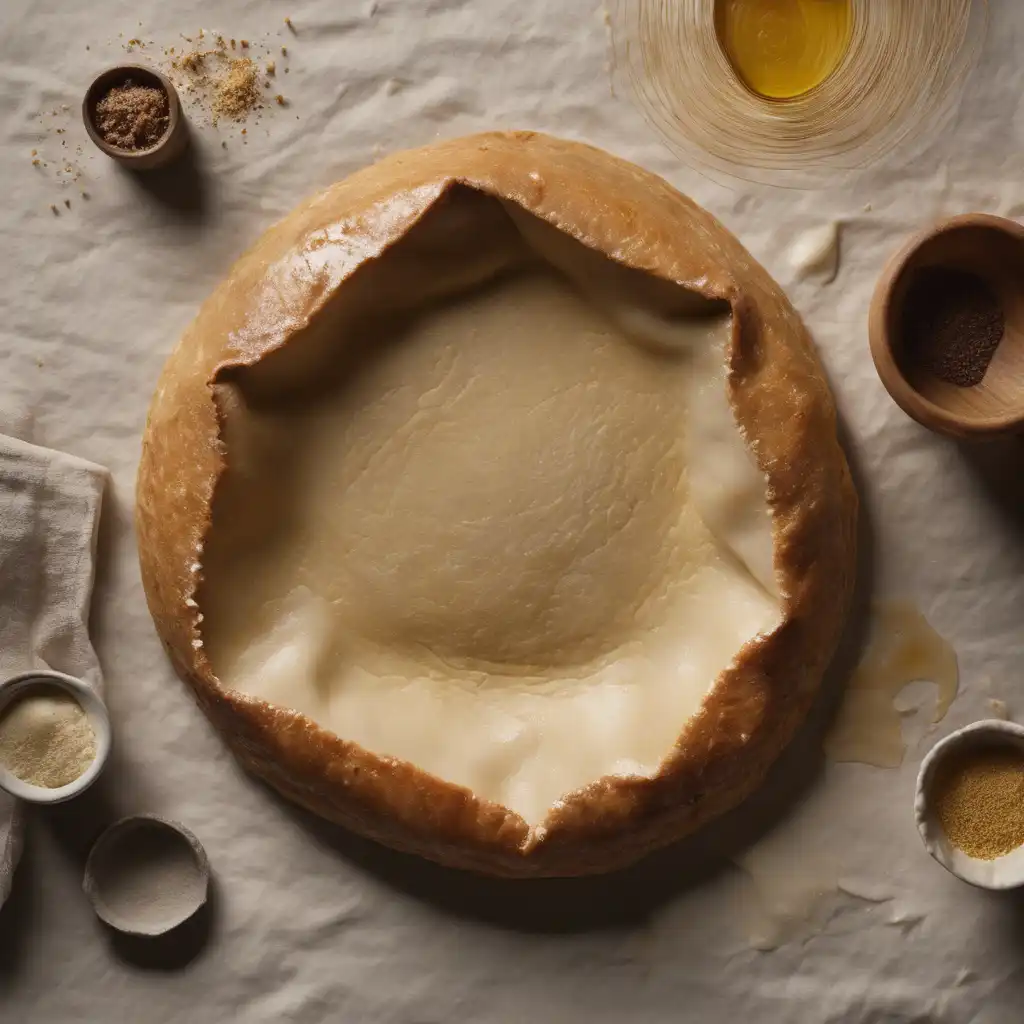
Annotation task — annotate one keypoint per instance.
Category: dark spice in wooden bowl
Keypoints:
(133, 117)
(952, 325)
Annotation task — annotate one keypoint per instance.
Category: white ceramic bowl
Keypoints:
(1006, 872)
(95, 709)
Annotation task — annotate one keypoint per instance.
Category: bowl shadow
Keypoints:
(182, 188)
(18, 914)
(998, 468)
(629, 896)
(175, 949)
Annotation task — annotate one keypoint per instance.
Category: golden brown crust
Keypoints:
(781, 399)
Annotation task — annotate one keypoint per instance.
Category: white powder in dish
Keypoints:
(46, 739)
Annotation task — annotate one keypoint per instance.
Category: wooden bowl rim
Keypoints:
(107, 79)
(906, 396)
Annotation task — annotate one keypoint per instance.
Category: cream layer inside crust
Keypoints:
(509, 531)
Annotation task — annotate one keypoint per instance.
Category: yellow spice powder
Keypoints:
(979, 798)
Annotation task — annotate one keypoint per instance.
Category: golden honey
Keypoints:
(782, 49)
(903, 648)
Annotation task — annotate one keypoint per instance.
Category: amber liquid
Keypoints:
(781, 49)
(903, 649)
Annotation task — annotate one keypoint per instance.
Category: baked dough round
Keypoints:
(493, 508)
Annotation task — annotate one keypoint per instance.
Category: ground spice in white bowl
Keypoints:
(969, 804)
(46, 738)
(978, 795)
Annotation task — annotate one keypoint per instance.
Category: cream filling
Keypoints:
(514, 544)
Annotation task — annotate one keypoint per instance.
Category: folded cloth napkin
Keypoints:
(49, 517)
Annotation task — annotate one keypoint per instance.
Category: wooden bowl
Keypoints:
(991, 248)
(171, 144)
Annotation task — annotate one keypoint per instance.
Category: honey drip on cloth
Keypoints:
(979, 798)
(782, 49)
(903, 649)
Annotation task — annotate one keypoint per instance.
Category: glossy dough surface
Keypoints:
(446, 513)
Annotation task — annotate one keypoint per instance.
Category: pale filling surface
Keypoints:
(513, 540)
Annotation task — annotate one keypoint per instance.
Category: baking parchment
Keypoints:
(310, 924)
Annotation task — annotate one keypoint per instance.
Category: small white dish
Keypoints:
(95, 709)
(146, 875)
(1006, 872)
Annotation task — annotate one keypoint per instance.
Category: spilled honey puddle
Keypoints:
(792, 884)
(903, 649)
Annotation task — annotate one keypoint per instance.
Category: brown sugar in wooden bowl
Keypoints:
(170, 145)
(982, 256)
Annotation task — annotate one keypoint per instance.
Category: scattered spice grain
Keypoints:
(193, 61)
(979, 798)
(952, 325)
(133, 117)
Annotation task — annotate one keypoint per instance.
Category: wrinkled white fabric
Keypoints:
(49, 522)
(315, 927)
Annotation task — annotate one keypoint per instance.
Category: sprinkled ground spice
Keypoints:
(133, 117)
(979, 798)
(952, 324)
(192, 62)
(238, 92)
